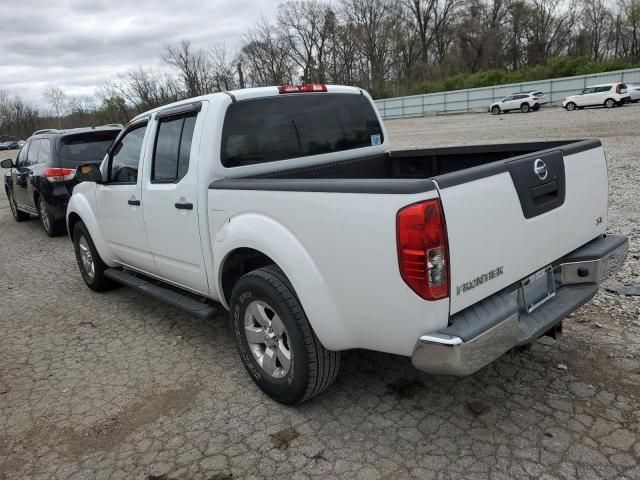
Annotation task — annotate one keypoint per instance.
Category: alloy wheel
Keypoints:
(267, 339)
(86, 258)
(44, 214)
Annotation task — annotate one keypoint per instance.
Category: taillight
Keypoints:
(619, 88)
(54, 174)
(306, 88)
(422, 249)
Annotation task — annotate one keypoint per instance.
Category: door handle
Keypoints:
(184, 206)
(134, 202)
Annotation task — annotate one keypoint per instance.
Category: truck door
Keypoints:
(171, 202)
(119, 201)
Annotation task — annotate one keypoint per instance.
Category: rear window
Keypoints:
(297, 125)
(85, 147)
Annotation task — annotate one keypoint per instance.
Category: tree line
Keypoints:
(389, 47)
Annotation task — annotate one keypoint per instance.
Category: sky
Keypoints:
(76, 45)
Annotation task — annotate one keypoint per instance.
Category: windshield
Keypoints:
(86, 147)
(297, 125)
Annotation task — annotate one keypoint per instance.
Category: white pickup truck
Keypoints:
(287, 206)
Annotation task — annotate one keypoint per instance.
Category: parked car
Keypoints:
(608, 95)
(525, 102)
(634, 92)
(541, 98)
(11, 145)
(4, 146)
(40, 181)
(287, 206)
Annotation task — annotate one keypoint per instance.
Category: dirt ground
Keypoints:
(117, 385)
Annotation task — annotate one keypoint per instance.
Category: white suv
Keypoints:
(525, 102)
(608, 95)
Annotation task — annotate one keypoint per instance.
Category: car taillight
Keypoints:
(422, 249)
(618, 88)
(54, 174)
(306, 88)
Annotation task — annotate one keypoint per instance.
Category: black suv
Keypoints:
(41, 180)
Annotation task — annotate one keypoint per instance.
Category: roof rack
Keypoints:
(45, 130)
(118, 125)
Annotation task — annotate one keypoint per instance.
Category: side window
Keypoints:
(172, 148)
(32, 158)
(22, 156)
(44, 152)
(125, 156)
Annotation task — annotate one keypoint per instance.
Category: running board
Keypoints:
(178, 300)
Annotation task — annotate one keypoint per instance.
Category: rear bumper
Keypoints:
(487, 330)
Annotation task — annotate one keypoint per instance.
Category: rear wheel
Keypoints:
(18, 215)
(495, 110)
(525, 108)
(571, 106)
(609, 103)
(276, 343)
(50, 225)
(91, 266)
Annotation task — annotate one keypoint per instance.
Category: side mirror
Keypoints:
(88, 173)
(6, 163)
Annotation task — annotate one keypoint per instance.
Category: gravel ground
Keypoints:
(116, 385)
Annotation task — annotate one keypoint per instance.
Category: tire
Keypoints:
(495, 110)
(609, 103)
(93, 277)
(18, 215)
(571, 106)
(525, 108)
(265, 307)
(49, 224)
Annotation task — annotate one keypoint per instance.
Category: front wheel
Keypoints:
(609, 103)
(571, 106)
(276, 343)
(91, 266)
(495, 110)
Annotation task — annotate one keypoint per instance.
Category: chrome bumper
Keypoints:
(466, 346)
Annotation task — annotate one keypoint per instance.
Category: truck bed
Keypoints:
(402, 171)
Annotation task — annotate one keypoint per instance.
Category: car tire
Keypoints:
(609, 103)
(50, 225)
(495, 110)
(525, 108)
(570, 106)
(270, 325)
(91, 266)
(18, 215)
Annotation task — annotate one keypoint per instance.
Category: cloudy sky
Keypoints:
(76, 44)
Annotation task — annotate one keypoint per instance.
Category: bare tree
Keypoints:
(550, 29)
(307, 26)
(194, 67)
(265, 56)
(598, 22)
(57, 99)
(374, 23)
(224, 69)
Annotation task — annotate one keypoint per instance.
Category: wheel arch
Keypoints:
(80, 208)
(253, 240)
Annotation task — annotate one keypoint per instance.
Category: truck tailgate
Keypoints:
(509, 219)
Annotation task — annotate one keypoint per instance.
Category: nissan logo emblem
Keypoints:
(540, 169)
